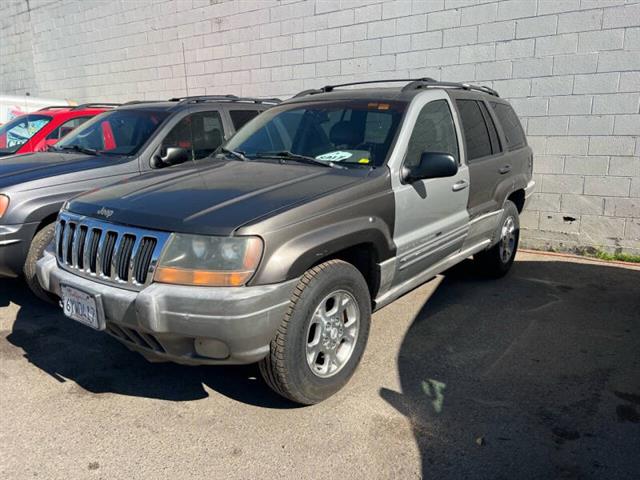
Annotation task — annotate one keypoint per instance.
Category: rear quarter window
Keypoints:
(513, 132)
(240, 117)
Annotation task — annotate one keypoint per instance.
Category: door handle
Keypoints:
(461, 185)
(505, 169)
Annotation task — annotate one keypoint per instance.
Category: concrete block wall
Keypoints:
(571, 69)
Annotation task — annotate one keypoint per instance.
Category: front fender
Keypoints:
(296, 255)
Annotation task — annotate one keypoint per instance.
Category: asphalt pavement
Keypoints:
(536, 375)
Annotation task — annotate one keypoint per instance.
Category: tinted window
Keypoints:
(355, 132)
(240, 117)
(493, 133)
(18, 131)
(199, 133)
(514, 135)
(476, 135)
(66, 128)
(434, 132)
(118, 132)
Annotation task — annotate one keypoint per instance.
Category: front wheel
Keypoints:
(322, 336)
(497, 261)
(36, 250)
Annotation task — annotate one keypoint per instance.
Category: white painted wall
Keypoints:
(571, 69)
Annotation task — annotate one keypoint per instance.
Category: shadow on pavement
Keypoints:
(98, 363)
(536, 375)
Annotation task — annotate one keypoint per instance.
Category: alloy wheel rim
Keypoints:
(332, 334)
(507, 239)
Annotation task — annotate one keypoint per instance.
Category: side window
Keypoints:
(514, 135)
(240, 117)
(199, 133)
(434, 132)
(476, 135)
(66, 127)
(493, 133)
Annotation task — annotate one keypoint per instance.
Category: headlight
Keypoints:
(211, 261)
(4, 204)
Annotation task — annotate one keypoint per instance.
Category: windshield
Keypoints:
(344, 132)
(118, 132)
(18, 131)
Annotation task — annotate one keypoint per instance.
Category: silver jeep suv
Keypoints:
(278, 247)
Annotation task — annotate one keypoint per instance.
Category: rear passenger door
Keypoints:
(517, 153)
(487, 165)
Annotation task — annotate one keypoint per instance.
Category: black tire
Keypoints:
(493, 262)
(286, 369)
(36, 250)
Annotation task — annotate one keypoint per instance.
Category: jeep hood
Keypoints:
(35, 166)
(215, 197)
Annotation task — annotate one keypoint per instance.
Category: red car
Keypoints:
(35, 131)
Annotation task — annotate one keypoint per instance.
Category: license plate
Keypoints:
(82, 307)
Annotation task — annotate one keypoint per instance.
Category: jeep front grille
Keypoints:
(108, 252)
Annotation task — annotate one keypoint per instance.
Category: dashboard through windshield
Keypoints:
(336, 132)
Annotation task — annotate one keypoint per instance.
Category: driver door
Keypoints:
(431, 214)
(198, 134)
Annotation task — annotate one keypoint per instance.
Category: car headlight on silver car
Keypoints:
(208, 261)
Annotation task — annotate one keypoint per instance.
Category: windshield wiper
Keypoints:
(78, 148)
(235, 153)
(287, 155)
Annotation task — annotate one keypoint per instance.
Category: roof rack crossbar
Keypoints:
(329, 88)
(223, 98)
(54, 107)
(418, 84)
(135, 102)
(95, 105)
(414, 84)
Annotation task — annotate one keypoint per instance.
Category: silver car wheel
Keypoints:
(507, 239)
(332, 333)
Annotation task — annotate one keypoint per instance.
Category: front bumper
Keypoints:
(183, 324)
(15, 241)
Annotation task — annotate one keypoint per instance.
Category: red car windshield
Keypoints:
(118, 132)
(18, 131)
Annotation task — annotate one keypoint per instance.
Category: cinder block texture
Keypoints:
(571, 69)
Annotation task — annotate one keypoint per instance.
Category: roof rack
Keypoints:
(414, 84)
(80, 107)
(429, 82)
(56, 107)
(96, 105)
(135, 102)
(223, 98)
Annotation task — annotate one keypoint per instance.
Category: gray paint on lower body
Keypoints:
(185, 320)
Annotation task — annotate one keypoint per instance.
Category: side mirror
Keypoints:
(170, 156)
(432, 165)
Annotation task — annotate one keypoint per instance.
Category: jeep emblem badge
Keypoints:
(105, 212)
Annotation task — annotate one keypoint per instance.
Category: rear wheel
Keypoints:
(36, 250)
(322, 336)
(497, 261)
